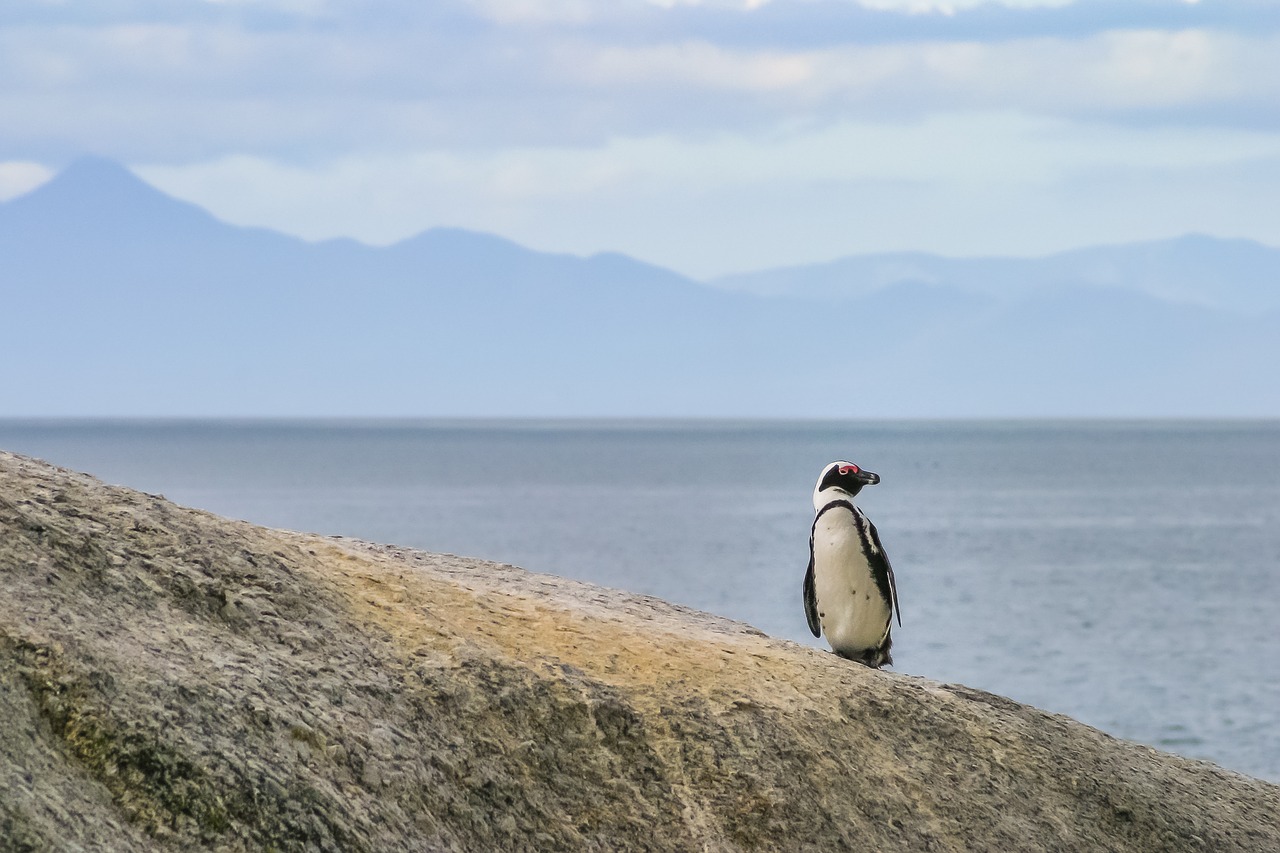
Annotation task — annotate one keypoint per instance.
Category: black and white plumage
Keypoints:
(849, 591)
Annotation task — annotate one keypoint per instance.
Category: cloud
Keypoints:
(962, 183)
(17, 178)
(975, 149)
(201, 90)
(627, 124)
(950, 7)
(693, 65)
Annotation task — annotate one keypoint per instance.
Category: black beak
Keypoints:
(849, 477)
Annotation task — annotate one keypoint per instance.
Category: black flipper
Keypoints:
(811, 597)
(882, 570)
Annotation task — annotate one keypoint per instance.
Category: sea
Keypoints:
(1124, 573)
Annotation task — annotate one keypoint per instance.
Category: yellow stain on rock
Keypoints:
(532, 620)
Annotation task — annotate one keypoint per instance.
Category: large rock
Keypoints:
(170, 679)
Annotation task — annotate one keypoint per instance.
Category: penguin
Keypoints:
(849, 591)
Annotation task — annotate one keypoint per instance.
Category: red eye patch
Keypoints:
(849, 469)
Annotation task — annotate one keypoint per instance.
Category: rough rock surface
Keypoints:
(174, 680)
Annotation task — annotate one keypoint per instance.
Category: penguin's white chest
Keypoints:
(854, 615)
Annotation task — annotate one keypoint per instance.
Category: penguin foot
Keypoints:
(874, 658)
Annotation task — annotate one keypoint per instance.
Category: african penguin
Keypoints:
(849, 593)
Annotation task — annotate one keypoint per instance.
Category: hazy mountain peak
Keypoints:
(104, 195)
(92, 169)
(452, 236)
(92, 177)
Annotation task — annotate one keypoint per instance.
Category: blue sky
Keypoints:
(710, 137)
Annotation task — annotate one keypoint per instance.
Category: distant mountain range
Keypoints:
(1241, 276)
(120, 300)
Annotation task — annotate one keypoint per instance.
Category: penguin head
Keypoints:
(846, 477)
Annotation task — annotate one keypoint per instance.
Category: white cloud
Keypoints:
(950, 7)
(694, 64)
(202, 89)
(746, 5)
(936, 183)
(18, 177)
(538, 11)
(982, 149)
(1108, 74)
(589, 124)
(515, 11)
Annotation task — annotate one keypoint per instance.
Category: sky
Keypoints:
(708, 136)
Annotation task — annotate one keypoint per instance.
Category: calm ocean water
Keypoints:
(1124, 573)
